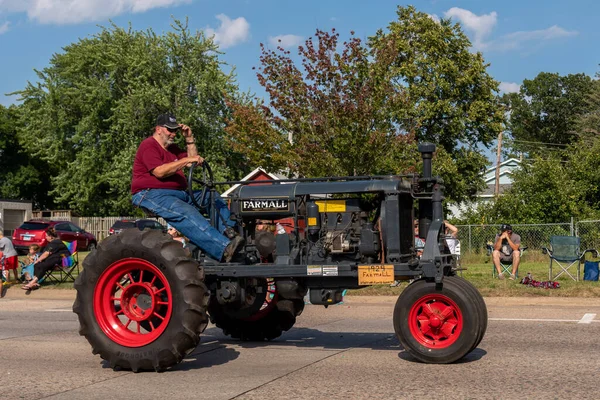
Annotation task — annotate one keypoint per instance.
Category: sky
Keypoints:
(518, 38)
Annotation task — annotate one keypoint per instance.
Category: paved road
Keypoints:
(534, 348)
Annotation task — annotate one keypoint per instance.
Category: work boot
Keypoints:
(230, 233)
(233, 248)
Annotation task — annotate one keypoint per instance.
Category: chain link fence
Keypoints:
(589, 232)
(473, 238)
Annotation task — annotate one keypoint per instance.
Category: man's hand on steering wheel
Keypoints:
(205, 182)
(194, 159)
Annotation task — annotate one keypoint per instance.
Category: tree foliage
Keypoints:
(545, 190)
(557, 186)
(21, 177)
(356, 108)
(99, 98)
(545, 111)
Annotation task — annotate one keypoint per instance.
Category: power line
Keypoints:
(547, 144)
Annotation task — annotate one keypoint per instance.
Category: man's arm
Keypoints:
(190, 142)
(498, 243)
(171, 168)
(451, 228)
(513, 245)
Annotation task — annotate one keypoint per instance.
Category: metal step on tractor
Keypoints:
(143, 302)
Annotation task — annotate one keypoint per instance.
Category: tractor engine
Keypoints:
(324, 230)
(340, 230)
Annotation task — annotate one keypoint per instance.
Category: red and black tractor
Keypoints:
(143, 301)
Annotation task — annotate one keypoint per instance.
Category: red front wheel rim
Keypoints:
(435, 321)
(133, 302)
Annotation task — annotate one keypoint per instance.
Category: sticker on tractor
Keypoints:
(314, 270)
(375, 274)
(331, 205)
(330, 270)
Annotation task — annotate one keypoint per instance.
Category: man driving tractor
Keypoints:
(159, 185)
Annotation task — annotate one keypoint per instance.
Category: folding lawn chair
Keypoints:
(454, 247)
(506, 266)
(565, 250)
(68, 269)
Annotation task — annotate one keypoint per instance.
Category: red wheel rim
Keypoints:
(133, 302)
(435, 321)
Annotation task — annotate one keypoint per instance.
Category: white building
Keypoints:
(506, 169)
(12, 214)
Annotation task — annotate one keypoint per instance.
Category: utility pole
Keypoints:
(497, 188)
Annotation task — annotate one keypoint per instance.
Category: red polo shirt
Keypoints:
(150, 155)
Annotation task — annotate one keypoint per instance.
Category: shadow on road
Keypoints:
(316, 339)
(214, 349)
(475, 355)
(202, 359)
(313, 338)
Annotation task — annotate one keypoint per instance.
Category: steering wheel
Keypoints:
(206, 182)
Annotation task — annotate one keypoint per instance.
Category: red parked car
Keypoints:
(34, 232)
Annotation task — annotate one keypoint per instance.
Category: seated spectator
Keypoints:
(176, 234)
(419, 242)
(265, 225)
(451, 235)
(11, 257)
(51, 257)
(188, 246)
(32, 257)
(506, 248)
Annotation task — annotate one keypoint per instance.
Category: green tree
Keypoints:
(588, 122)
(99, 98)
(21, 177)
(356, 108)
(544, 113)
(545, 190)
(555, 186)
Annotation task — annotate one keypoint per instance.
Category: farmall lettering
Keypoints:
(265, 205)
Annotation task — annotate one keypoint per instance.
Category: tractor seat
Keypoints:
(148, 213)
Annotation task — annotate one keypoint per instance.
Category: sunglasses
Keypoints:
(172, 130)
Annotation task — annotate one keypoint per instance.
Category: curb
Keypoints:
(14, 292)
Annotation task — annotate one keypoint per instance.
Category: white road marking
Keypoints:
(587, 319)
(533, 319)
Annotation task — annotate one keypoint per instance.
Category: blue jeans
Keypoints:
(176, 207)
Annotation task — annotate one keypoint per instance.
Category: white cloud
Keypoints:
(4, 27)
(286, 41)
(230, 32)
(480, 25)
(76, 11)
(509, 87)
(515, 40)
(434, 17)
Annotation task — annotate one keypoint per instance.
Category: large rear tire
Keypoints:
(141, 302)
(275, 316)
(438, 325)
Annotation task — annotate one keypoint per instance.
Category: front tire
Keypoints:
(437, 325)
(141, 302)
